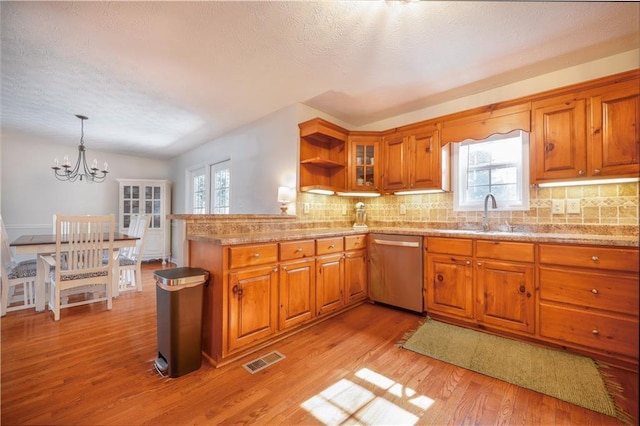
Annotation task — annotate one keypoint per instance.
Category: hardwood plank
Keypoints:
(96, 367)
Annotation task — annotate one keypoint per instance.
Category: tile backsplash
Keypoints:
(607, 208)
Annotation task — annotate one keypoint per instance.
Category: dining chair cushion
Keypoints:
(126, 261)
(80, 276)
(24, 269)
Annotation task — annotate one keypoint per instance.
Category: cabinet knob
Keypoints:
(595, 332)
(596, 172)
(549, 147)
(594, 258)
(237, 290)
(332, 246)
(594, 291)
(439, 277)
(468, 262)
(580, 172)
(479, 263)
(256, 255)
(299, 250)
(275, 269)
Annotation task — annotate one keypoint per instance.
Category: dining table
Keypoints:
(46, 244)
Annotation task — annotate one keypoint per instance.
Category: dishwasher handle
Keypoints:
(397, 243)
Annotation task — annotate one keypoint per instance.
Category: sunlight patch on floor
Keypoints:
(346, 400)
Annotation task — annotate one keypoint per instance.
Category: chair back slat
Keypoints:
(6, 255)
(90, 242)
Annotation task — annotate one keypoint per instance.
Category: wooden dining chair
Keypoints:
(18, 279)
(83, 262)
(130, 259)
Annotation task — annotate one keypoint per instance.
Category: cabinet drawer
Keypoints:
(621, 259)
(604, 332)
(355, 242)
(297, 249)
(329, 245)
(618, 293)
(258, 254)
(458, 246)
(505, 250)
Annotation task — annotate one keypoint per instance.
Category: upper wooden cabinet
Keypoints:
(614, 132)
(364, 162)
(323, 156)
(412, 159)
(588, 134)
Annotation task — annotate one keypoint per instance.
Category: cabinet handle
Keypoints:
(428, 148)
(237, 290)
(275, 269)
(479, 263)
(522, 289)
(595, 332)
(284, 267)
(580, 172)
(439, 277)
(594, 291)
(594, 258)
(256, 255)
(299, 250)
(596, 172)
(549, 147)
(332, 246)
(468, 262)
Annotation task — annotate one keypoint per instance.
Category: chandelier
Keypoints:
(81, 170)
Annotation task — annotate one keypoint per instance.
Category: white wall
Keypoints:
(31, 194)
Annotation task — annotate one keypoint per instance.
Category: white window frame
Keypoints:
(214, 207)
(208, 171)
(460, 173)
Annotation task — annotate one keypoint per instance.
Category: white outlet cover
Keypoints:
(557, 206)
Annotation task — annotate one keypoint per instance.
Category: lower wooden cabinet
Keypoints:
(260, 292)
(297, 292)
(449, 277)
(329, 283)
(252, 305)
(589, 299)
(505, 286)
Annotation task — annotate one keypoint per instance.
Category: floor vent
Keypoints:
(263, 362)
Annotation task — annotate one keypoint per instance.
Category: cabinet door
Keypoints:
(252, 305)
(329, 283)
(395, 157)
(448, 285)
(558, 148)
(297, 292)
(505, 295)
(424, 163)
(615, 132)
(355, 273)
(364, 163)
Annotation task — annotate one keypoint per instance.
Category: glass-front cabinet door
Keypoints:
(364, 162)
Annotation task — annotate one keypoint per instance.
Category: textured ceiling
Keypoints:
(158, 78)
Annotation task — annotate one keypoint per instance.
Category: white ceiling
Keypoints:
(159, 78)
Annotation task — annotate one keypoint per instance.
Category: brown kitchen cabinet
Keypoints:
(587, 134)
(614, 136)
(329, 275)
(412, 158)
(355, 269)
(296, 292)
(297, 282)
(505, 286)
(364, 162)
(589, 299)
(448, 282)
(323, 156)
(252, 305)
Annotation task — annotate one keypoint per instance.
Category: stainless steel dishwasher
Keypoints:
(395, 270)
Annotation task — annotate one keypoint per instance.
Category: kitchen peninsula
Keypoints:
(274, 275)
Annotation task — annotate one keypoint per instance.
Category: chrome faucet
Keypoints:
(485, 218)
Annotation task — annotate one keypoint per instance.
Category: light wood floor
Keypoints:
(95, 367)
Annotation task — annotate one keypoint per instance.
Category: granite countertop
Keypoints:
(269, 237)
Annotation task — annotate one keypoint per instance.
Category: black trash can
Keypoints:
(179, 294)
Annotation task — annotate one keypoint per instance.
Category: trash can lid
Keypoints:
(181, 276)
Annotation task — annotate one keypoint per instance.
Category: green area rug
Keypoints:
(571, 378)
